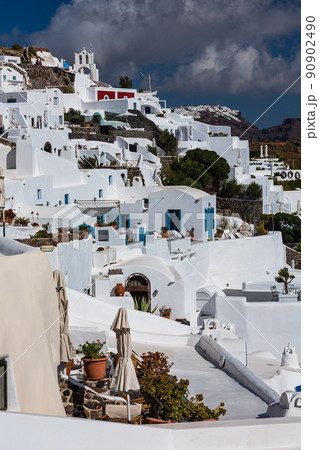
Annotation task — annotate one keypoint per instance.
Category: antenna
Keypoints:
(149, 81)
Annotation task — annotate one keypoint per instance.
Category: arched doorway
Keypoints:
(47, 147)
(140, 288)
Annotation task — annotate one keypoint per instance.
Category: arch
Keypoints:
(47, 147)
(84, 69)
(106, 97)
(139, 286)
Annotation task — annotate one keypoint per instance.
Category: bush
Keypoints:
(16, 46)
(254, 191)
(231, 189)
(74, 116)
(168, 396)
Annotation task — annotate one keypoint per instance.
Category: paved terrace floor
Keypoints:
(206, 379)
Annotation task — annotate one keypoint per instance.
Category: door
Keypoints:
(173, 217)
(209, 222)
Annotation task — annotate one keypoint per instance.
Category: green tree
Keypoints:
(125, 82)
(231, 189)
(254, 191)
(288, 224)
(201, 169)
(16, 46)
(284, 277)
(168, 142)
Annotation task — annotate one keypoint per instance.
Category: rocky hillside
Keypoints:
(222, 115)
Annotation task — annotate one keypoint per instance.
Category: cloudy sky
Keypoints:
(239, 53)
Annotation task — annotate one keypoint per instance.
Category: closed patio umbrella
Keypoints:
(67, 351)
(2, 194)
(2, 199)
(124, 377)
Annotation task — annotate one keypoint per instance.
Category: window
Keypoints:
(100, 193)
(14, 77)
(80, 59)
(55, 101)
(39, 194)
(4, 77)
(3, 385)
(60, 120)
(103, 235)
(66, 199)
(110, 179)
(87, 59)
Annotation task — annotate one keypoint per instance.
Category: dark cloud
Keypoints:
(200, 45)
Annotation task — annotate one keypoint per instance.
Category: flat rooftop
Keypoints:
(204, 378)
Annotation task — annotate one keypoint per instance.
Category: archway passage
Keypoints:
(140, 288)
(47, 147)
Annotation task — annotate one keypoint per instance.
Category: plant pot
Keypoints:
(166, 317)
(119, 290)
(152, 421)
(69, 367)
(94, 368)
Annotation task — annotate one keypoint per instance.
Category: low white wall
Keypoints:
(283, 433)
(145, 327)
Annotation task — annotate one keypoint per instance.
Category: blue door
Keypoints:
(209, 222)
(141, 234)
(173, 219)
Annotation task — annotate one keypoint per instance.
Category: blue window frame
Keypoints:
(110, 179)
(173, 219)
(100, 193)
(66, 199)
(39, 195)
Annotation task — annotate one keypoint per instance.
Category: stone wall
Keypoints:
(79, 401)
(292, 254)
(248, 210)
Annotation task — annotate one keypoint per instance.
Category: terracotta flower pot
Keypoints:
(119, 290)
(69, 367)
(94, 368)
(152, 421)
(166, 317)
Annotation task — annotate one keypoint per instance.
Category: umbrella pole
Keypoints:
(128, 408)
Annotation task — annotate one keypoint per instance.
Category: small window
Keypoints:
(3, 385)
(100, 193)
(106, 97)
(80, 59)
(66, 199)
(55, 101)
(60, 120)
(103, 235)
(39, 194)
(14, 77)
(47, 147)
(110, 179)
(4, 77)
(87, 59)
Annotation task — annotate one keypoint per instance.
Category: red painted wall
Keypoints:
(101, 95)
(112, 95)
(125, 94)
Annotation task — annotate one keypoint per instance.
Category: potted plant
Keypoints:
(112, 224)
(192, 233)
(94, 359)
(284, 277)
(119, 290)
(168, 396)
(165, 312)
(164, 232)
